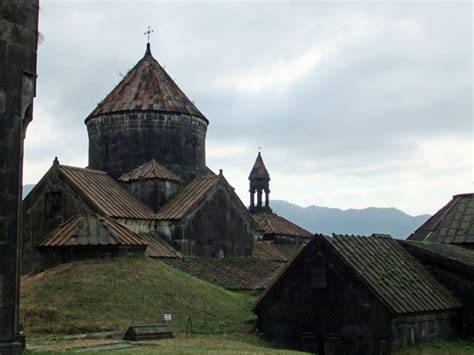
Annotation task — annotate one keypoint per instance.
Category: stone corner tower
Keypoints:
(145, 117)
(18, 48)
(259, 184)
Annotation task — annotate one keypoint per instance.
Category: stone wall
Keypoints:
(408, 330)
(18, 44)
(152, 192)
(118, 143)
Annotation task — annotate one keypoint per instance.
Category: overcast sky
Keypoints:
(353, 104)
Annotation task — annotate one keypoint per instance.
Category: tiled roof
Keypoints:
(382, 266)
(147, 87)
(105, 193)
(266, 250)
(271, 223)
(397, 279)
(150, 170)
(229, 273)
(159, 248)
(192, 194)
(91, 230)
(259, 171)
(452, 224)
(453, 255)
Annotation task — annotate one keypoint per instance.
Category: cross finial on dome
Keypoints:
(148, 34)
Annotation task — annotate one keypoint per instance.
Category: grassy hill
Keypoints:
(110, 294)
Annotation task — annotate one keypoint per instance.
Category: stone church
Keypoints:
(147, 172)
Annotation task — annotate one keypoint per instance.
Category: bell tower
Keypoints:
(259, 185)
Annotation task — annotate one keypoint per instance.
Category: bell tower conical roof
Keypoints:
(259, 171)
(147, 87)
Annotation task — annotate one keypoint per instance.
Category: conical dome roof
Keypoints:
(147, 87)
(259, 171)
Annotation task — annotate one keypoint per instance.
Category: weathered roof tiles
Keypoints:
(259, 171)
(452, 224)
(394, 277)
(91, 230)
(150, 170)
(104, 193)
(271, 223)
(147, 87)
(397, 279)
(229, 273)
(192, 194)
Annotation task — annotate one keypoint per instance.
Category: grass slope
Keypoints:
(110, 294)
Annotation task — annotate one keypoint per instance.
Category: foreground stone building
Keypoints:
(18, 45)
(355, 295)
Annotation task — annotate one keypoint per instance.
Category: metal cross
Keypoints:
(148, 33)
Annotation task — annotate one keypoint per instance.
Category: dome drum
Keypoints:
(119, 142)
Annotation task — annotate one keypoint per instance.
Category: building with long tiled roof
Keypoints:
(353, 294)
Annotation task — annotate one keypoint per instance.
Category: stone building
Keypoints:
(18, 45)
(355, 295)
(147, 171)
(452, 224)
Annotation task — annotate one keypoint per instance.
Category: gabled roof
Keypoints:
(396, 279)
(189, 198)
(159, 248)
(104, 193)
(259, 171)
(229, 273)
(273, 224)
(266, 250)
(147, 87)
(452, 224)
(149, 170)
(91, 230)
(455, 256)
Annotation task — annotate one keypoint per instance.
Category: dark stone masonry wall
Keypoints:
(120, 142)
(220, 227)
(152, 192)
(18, 44)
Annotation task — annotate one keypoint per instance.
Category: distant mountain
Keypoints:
(352, 221)
(27, 189)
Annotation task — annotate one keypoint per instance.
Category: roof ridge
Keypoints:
(79, 168)
(152, 169)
